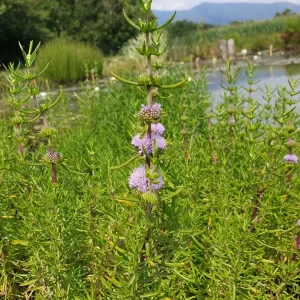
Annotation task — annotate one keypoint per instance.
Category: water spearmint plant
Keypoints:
(149, 142)
(24, 86)
(147, 180)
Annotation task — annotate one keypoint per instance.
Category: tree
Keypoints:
(181, 28)
(98, 22)
(20, 21)
(102, 23)
(286, 12)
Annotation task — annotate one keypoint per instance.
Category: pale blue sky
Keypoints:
(187, 4)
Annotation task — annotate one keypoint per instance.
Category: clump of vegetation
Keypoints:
(68, 60)
(203, 206)
(291, 35)
(281, 32)
(98, 23)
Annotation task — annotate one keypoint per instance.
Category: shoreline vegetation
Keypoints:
(187, 42)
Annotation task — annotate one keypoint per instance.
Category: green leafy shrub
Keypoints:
(68, 59)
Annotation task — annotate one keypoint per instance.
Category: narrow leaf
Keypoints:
(125, 163)
(173, 86)
(129, 21)
(167, 22)
(124, 80)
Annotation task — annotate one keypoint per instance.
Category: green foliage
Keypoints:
(250, 35)
(129, 49)
(291, 35)
(99, 23)
(82, 238)
(225, 225)
(21, 21)
(286, 12)
(183, 28)
(68, 60)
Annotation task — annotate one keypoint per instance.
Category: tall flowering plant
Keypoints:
(24, 85)
(147, 179)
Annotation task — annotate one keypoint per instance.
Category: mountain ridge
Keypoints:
(225, 13)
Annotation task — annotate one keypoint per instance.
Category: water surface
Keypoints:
(272, 76)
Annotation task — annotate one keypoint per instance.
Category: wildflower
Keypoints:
(141, 183)
(157, 128)
(291, 158)
(150, 112)
(53, 157)
(145, 143)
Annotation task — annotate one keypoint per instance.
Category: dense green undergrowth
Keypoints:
(82, 237)
(209, 212)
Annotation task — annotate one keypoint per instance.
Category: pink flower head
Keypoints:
(157, 128)
(150, 112)
(147, 144)
(291, 158)
(141, 183)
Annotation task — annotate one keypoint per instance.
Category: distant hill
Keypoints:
(225, 13)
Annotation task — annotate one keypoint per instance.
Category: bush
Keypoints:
(68, 60)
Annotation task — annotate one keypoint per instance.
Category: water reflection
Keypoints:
(272, 76)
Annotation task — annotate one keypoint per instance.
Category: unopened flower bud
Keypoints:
(17, 120)
(291, 143)
(184, 118)
(289, 128)
(47, 131)
(150, 197)
(53, 157)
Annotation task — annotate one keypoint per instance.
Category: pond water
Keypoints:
(271, 76)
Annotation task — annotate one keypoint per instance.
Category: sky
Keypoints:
(187, 4)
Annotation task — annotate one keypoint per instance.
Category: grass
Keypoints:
(73, 60)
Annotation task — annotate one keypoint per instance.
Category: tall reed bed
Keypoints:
(68, 60)
(254, 36)
(224, 225)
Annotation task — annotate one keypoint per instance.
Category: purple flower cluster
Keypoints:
(146, 143)
(291, 158)
(157, 128)
(141, 183)
(150, 112)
